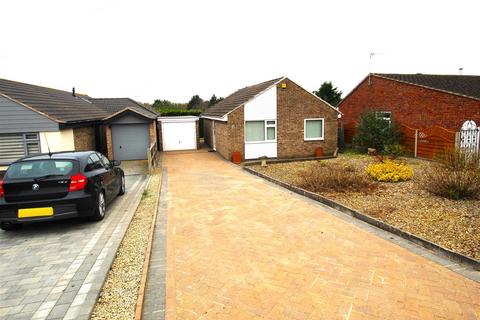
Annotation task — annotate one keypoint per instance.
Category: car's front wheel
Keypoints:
(100, 208)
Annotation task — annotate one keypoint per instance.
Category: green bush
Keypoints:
(394, 150)
(375, 132)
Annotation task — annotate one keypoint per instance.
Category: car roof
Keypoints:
(73, 155)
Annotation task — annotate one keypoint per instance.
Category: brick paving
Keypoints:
(56, 270)
(239, 247)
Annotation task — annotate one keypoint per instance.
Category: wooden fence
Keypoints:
(423, 143)
(434, 141)
(152, 157)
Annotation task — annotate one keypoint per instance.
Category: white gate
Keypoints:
(469, 137)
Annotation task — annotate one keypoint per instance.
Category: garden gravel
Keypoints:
(453, 224)
(119, 294)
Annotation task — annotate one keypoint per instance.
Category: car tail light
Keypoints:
(77, 182)
(2, 192)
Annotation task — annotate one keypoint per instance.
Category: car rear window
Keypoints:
(39, 168)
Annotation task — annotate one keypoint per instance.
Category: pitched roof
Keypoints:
(463, 85)
(238, 98)
(60, 106)
(116, 105)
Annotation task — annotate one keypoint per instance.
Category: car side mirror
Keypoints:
(116, 163)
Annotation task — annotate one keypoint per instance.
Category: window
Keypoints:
(260, 131)
(104, 160)
(385, 115)
(314, 129)
(93, 163)
(39, 168)
(32, 143)
(17, 145)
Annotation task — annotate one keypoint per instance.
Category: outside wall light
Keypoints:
(284, 85)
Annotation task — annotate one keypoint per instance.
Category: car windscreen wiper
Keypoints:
(47, 177)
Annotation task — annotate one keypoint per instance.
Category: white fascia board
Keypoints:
(224, 118)
(178, 119)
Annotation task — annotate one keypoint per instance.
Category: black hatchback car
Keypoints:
(59, 186)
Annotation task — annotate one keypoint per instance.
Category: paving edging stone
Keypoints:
(146, 262)
(475, 264)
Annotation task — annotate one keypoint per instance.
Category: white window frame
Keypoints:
(305, 129)
(389, 119)
(265, 126)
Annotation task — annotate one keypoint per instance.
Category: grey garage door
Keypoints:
(130, 141)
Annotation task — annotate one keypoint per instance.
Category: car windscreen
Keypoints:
(35, 169)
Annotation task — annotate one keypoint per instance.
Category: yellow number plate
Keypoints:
(35, 212)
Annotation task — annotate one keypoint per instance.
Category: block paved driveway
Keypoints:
(56, 270)
(239, 247)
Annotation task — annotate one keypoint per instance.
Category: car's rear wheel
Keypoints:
(100, 208)
(122, 186)
(8, 226)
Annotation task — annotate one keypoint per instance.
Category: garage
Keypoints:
(130, 141)
(179, 133)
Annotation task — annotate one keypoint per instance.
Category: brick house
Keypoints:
(274, 119)
(128, 130)
(415, 100)
(35, 119)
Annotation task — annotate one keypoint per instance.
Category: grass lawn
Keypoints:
(453, 224)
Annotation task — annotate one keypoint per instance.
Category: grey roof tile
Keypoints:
(59, 105)
(114, 105)
(463, 85)
(238, 98)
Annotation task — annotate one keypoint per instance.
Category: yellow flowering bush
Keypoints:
(390, 171)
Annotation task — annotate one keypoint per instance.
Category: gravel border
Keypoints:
(382, 225)
(119, 295)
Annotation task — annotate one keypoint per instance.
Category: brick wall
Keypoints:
(410, 105)
(294, 105)
(153, 132)
(229, 136)
(84, 138)
(108, 133)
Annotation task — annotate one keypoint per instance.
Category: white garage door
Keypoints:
(179, 136)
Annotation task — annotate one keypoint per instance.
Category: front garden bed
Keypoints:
(452, 224)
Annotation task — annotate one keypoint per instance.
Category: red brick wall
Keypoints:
(153, 132)
(108, 133)
(411, 105)
(229, 136)
(294, 105)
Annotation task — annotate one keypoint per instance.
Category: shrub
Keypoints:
(375, 132)
(455, 175)
(394, 150)
(173, 112)
(334, 177)
(452, 184)
(389, 171)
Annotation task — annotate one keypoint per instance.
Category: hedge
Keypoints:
(171, 112)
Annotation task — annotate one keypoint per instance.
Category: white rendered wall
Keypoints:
(57, 141)
(263, 107)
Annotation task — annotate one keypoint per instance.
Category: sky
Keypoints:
(173, 49)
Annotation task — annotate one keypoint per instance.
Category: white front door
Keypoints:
(179, 136)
